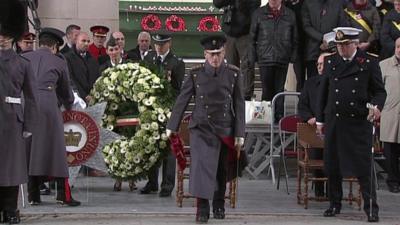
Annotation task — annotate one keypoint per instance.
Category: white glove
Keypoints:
(78, 102)
(239, 141)
(168, 132)
(26, 134)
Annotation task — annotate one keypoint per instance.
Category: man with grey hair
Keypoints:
(142, 48)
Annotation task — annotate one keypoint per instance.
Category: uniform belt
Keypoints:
(12, 100)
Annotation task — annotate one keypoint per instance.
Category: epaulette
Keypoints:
(233, 67)
(372, 54)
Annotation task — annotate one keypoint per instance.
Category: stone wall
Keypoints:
(85, 13)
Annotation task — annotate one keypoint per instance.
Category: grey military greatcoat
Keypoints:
(16, 75)
(48, 153)
(344, 91)
(218, 113)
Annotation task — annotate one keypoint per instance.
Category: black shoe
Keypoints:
(331, 211)
(12, 217)
(164, 193)
(44, 190)
(393, 187)
(148, 190)
(202, 218)
(374, 218)
(72, 202)
(219, 213)
(34, 200)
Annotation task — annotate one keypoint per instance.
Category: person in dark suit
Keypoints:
(216, 126)
(17, 117)
(47, 154)
(71, 33)
(169, 65)
(390, 31)
(83, 68)
(319, 18)
(142, 49)
(351, 79)
(307, 107)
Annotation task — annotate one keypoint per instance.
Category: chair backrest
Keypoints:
(289, 123)
(307, 135)
(184, 130)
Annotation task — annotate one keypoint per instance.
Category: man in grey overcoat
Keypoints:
(390, 123)
(48, 153)
(351, 79)
(16, 78)
(216, 125)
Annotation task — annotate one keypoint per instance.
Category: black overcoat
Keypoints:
(345, 89)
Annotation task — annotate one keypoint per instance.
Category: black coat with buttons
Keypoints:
(218, 113)
(344, 91)
(172, 66)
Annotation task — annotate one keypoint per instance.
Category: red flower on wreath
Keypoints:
(175, 23)
(209, 24)
(151, 22)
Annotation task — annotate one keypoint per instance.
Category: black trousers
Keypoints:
(392, 154)
(168, 174)
(9, 198)
(336, 192)
(299, 68)
(273, 80)
(203, 205)
(311, 68)
(237, 53)
(63, 188)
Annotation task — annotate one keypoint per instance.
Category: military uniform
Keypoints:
(173, 68)
(98, 51)
(217, 116)
(345, 89)
(47, 154)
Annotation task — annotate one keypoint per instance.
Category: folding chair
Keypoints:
(287, 126)
(184, 174)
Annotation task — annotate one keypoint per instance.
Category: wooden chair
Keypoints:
(307, 140)
(184, 174)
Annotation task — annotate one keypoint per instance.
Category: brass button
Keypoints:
(197, 86)
(224, 114)
(356, 79)
(194, 75)
(206, 106)
(367, 60)
(337, 114)
(354, 91)
(352, 103)
(337, 90)
(233, 85)
(352, 115)
(235, 74)
(336, 79)
(333, 68)
(329, 61)
(337, 102)
(361, 69)
(201, 96)
(209, 116)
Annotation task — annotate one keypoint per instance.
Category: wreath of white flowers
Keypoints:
(121, 87)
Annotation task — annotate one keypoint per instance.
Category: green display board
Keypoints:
(188, 22)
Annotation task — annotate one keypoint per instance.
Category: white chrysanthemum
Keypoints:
(114, 76)
(154, 126)
(106, 80)
(161, 118)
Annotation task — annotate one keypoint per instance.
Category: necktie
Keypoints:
(159, 60)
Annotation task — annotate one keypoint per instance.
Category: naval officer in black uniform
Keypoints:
(216, 126)
(352, 78)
